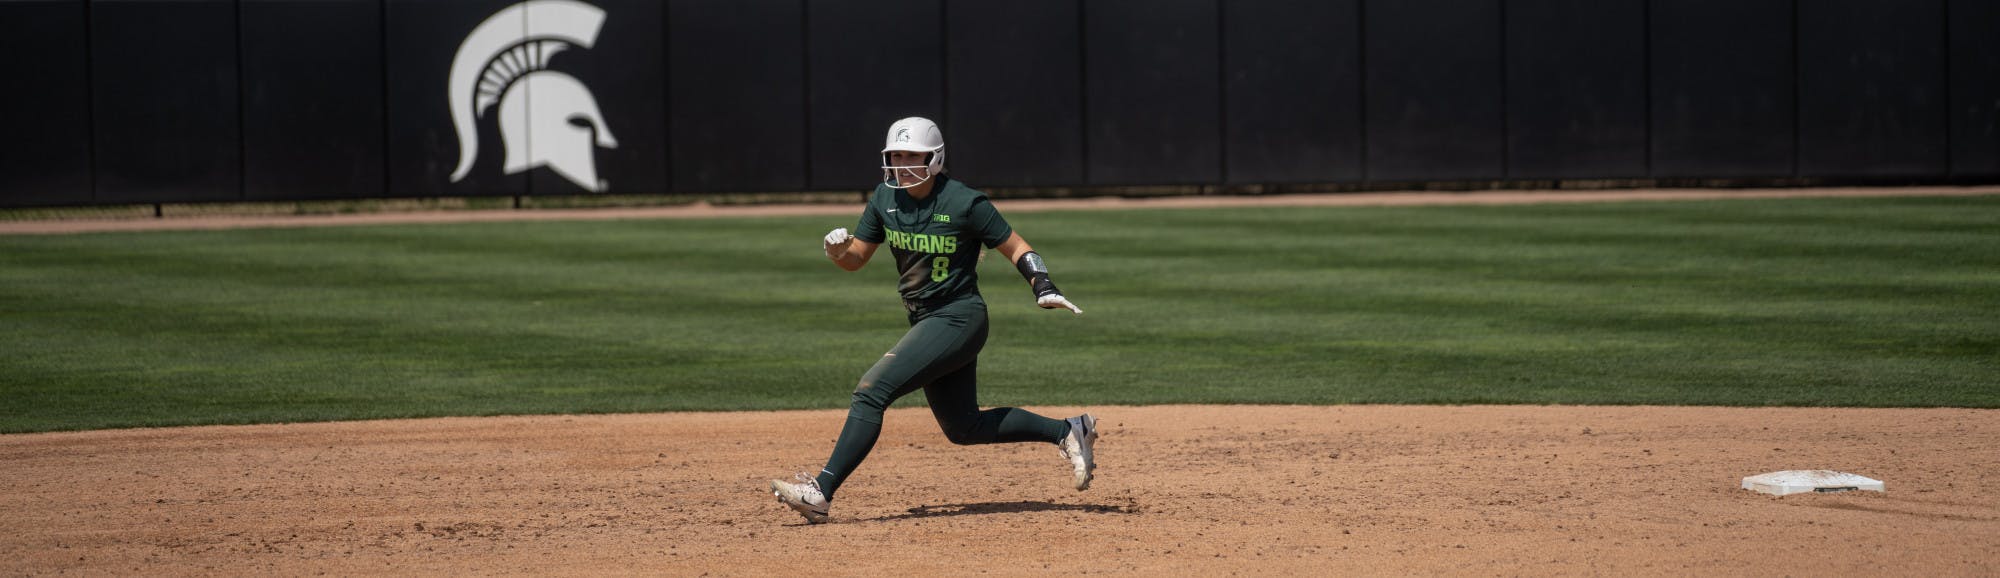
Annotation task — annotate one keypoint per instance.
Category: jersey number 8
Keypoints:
(940, 269)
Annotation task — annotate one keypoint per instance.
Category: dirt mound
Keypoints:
(1181, 490)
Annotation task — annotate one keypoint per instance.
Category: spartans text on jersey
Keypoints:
(920, 242)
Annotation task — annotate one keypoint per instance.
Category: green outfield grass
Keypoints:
(1844, 302)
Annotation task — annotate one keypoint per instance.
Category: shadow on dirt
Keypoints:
(946, 510)
(1906, 510)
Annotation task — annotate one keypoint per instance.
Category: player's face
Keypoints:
(909, 177)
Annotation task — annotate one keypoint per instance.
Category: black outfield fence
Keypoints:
(175, 101)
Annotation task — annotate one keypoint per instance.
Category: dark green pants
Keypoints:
(939, 355)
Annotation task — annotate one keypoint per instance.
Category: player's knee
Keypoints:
(959, 433)
(865, 399)
(959, 437)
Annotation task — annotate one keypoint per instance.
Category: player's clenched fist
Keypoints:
(837, 239)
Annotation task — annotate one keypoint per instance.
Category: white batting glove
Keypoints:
(836, 238)
(1057, 301)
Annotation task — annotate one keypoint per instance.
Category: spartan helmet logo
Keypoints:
(505, 62)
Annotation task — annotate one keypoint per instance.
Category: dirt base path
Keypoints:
(1182, 490)
(704, 210)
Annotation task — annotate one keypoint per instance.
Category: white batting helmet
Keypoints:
(916, 134)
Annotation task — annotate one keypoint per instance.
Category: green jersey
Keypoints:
(935, 239)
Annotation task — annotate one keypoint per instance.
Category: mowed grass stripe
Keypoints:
(1852, 302)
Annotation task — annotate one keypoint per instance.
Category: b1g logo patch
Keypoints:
(502, 62)
(941, 218)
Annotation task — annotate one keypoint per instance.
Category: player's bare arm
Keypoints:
(1032, 268)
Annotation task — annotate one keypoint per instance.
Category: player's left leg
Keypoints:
(954, 400)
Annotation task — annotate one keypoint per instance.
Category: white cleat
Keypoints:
(1079, 446)
(803, 496)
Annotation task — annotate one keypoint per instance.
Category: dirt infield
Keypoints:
(1182, 490)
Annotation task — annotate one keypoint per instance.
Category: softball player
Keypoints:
(935, 225)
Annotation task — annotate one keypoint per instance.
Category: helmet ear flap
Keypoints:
(936, 162)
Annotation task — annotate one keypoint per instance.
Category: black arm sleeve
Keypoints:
(1037, 273)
